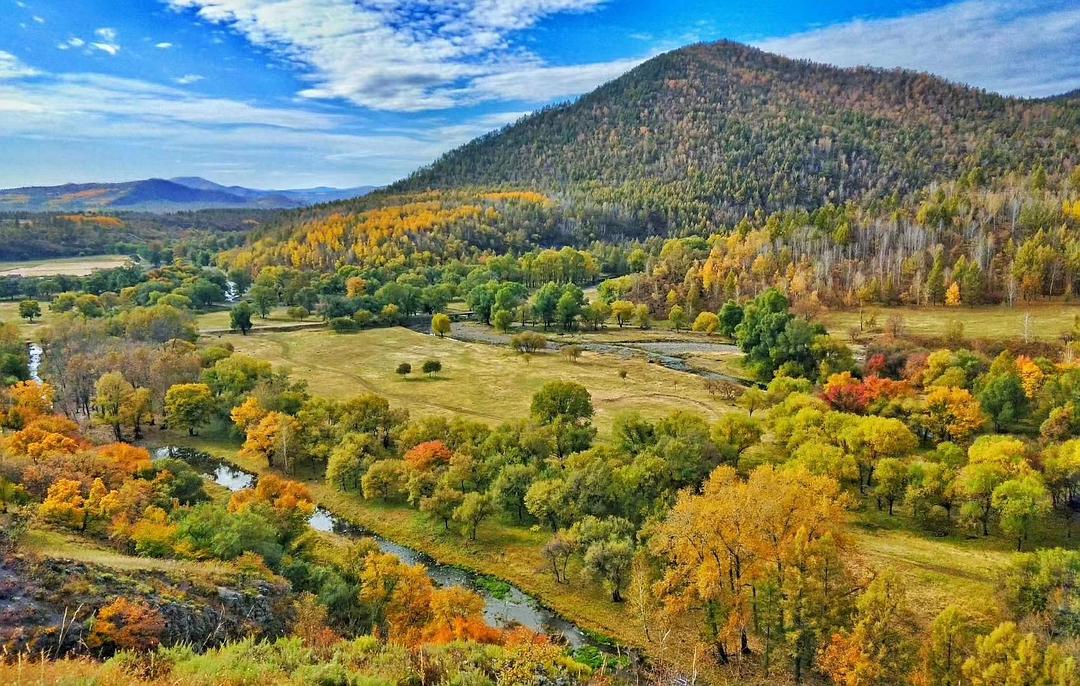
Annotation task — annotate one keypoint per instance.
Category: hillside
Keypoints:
(708, 132)
(163, 195)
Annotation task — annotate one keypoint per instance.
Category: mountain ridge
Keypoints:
(165, 195)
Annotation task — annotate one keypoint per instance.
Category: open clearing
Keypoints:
(1047, 320)
(218, 320)
(479, 381)
(63, 266)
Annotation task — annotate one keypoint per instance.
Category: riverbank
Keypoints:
(509, 553)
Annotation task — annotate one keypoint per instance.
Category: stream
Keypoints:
(667, 354)
(37, 354)
(506, 608)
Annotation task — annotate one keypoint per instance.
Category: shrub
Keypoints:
(344, 325)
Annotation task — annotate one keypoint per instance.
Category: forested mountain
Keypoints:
(704, 134)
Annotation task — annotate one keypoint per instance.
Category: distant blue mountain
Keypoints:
(165, 195)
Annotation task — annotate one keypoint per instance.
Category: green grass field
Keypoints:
(1047, 320)
(66, 266)
(479, 381)
(217, 320)
(9, 313)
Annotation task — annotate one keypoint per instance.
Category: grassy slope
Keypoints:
(1048, 320)
(479, 381)
(67, 546)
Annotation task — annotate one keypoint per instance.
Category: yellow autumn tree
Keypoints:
(734, 533)
(952, 413)
(952, 296)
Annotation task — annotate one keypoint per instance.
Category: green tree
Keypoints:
(503, 320)
(1020, 504)
(240, 317)
(432, 367)
(29, 310)
(263, 298)
(474, 508)
(677, 317)
(442, 504)
(188, 406)
(510, 486)
(112, 392)
(569, 307)
(545, 303)
(946, 646)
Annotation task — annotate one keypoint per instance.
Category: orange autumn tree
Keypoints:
(457, 614)
(424, 456)
(28, 400)
(275, 438)
(46, 435)
(128, 458)
(126, 625)
(290, 500)
(399, 596)
(247, 414)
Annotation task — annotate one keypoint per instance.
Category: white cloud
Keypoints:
(13, 68)
(163, 45)
(108, 43)
(38, 20)
(406, 56)
(1026, 48)
(175, 130)
(107, 47)
(188, 79)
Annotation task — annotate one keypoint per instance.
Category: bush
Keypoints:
(344, 325)
(432, 367)
(403, 369)
(528, 342)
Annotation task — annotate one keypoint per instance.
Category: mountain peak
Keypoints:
(721, 129)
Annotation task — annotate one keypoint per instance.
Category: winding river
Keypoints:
(506, 607)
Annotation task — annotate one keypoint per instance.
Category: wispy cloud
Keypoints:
(1027, 48)
(12, 68)
(85, 113)
(163, 45)
(188, 79)
(108, 42)
(406, 56)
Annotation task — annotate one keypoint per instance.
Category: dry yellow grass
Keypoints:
(66, 266)
(1046, 321)
(479, 381)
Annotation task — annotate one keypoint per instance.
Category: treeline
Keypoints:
(966, 243)
(156, 238)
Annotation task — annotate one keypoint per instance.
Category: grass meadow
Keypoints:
(484, 382)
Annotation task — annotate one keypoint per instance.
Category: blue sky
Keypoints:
(296, 93)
